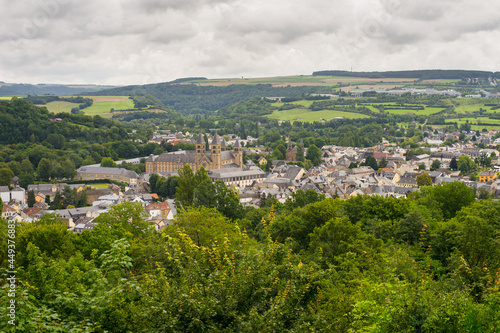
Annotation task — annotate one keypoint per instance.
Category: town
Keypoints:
(386, 170)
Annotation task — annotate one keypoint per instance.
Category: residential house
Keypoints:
(487, 176)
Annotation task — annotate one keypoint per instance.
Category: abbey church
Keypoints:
(216, 158)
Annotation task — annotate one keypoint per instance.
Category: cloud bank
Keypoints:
(137, 42)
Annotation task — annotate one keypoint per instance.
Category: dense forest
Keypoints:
(426, 263)
(194, 99)
(21, 122)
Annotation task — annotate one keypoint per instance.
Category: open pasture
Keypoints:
(307, 115)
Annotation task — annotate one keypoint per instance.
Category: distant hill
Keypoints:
(20, 89)
(430, 74)
(191, 98)
(21, 121)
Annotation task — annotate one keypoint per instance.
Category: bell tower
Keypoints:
(200, 150)
(215, 149)
(238, 154)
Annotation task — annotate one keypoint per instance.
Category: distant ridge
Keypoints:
(21, 89)
(427, 74)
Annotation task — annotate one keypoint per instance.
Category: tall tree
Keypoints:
(371, 162)
(6, 175)
(453, 164)
(300, 153)
(314, 154)
(424, 180)
(31, 198)
(187, 184)
(466, 164)
(436, 164)
(108, 162)
(45, 169)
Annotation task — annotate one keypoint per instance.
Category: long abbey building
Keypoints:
(216, 157)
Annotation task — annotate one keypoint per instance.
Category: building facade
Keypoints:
(216, 157)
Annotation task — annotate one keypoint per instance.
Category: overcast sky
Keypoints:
(137, 42)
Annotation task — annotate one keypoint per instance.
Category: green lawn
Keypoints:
(99, 185)
(306, 115)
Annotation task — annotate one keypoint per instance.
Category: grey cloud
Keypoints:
(131, 41)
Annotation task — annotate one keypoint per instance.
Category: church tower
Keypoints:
(223, 144)
(238, 154)
(215, 149)
(200, 150)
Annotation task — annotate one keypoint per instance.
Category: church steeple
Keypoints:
(215, 148)
(200, 149)
(238, 154)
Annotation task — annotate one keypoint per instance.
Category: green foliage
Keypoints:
(465, 164)
(108, 162)
(6, 176)
(436, 164)
(314, 154)
(424, 180)
(367, 264)
(371, 162)
(447, 198)
(187, 184)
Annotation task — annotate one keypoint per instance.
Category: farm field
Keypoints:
(474, 120)
(306, 115)
(303, 80)
(103, 104)
(60, 106)
(427, 111)
(474, 104)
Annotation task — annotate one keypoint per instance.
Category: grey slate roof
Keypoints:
(216, 140)
(182, 156)
(108, 171)
(200, 140)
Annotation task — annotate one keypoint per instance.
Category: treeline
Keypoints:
(44, 99)
(142, 115)
(413, 74)
(50, 89)
(146, 101)
(425, 263)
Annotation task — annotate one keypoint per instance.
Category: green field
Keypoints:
(474, 120)
(103, 108)
(477, 123)
(427, 111)
(474, 104)
(59, 106)
(306, 115)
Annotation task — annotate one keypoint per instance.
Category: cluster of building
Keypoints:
(98, 201)
(339, 175)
